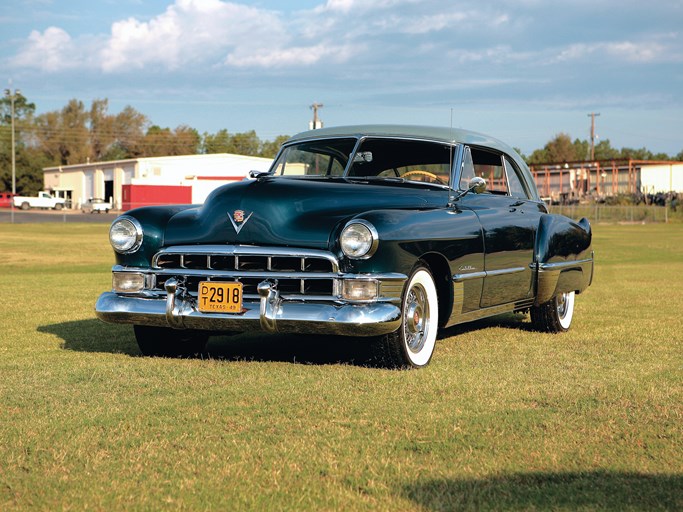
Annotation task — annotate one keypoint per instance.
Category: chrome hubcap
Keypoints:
(562, 305)
(416, 318)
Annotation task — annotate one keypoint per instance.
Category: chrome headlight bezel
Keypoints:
(125, 235)
(359, 239)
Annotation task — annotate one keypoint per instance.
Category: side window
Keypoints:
(515, 182)
(489, 166)
(467, 170)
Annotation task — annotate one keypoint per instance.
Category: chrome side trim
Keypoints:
(504, 271)
(561, 265)
(488, 273)
(561, 277)
(466, 277)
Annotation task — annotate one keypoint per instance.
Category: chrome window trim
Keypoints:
(521, 179)
(362, 138)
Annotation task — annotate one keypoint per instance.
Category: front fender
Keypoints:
(407, 235)
(563, 257)
(153, 220)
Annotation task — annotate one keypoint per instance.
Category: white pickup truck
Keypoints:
(43, 200)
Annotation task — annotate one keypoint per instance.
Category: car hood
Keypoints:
(291, 211)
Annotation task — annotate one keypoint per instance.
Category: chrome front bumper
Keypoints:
(270, 314)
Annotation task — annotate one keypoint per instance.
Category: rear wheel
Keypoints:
(59, 206)
(25, 205)
(555, 315)
(166, 342)
(412, 345)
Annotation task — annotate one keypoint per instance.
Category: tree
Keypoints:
(604, 151)
(246, 143)
(64, 135)
(187, 141)
(270, 148)
(216, 143)
(166, 142)
(128, 126)
(27, 172)
(559, 149)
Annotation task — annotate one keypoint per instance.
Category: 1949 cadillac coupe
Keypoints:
(382, 232)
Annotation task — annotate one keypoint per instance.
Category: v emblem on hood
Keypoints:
(238, 219)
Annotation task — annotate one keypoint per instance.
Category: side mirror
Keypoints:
(256, 174)
(477, 185)
(362, 157)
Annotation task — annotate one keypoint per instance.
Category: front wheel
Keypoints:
(412, 345)
(555, 315)
(166, 342)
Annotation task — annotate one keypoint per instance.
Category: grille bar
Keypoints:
(300, 272)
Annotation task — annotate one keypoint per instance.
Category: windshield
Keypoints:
(413, 160)
(378, 158)
(315, 158)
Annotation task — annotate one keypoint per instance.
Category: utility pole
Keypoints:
(593, 115)
(12, 96)
(316, 123)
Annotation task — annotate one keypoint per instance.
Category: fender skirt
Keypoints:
(563, 259)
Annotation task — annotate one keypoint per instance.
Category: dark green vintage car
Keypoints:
(382, 232)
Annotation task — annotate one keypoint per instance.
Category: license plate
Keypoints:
(218, 297)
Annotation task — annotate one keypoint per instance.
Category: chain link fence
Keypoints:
(640, 214)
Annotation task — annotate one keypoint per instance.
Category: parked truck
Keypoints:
(43, 200)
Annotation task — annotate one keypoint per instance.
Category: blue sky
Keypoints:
(520, 70)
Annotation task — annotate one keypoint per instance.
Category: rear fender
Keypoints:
(563, 257)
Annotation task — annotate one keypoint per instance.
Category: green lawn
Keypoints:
(503, 418)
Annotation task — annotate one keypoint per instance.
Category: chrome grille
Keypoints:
(299, 272)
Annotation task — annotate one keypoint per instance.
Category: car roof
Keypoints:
(430, 133)
(434, 133)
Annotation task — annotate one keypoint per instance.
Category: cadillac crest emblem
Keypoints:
(238, 219)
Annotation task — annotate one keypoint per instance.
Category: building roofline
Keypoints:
(90, 165)
(609, 161)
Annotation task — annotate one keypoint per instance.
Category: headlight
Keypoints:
(359, 239)
(125, 235)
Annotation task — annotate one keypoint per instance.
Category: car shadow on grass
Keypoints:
(95, 336)
(293, 348)
(590, 490)
(516, 321)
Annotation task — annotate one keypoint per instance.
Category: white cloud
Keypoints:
(207, 34)
(294, 56)
(644, 52)
(48, 51)
(359, 6)
(651, 51)
(191, 31)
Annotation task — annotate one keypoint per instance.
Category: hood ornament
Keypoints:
(238, 219)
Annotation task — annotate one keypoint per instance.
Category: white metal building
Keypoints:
(147, 181)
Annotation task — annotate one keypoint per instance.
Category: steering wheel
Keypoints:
(424, 173)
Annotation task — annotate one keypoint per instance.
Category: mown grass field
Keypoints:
(503, 418)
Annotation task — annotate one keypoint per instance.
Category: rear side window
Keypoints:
(516, 185)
